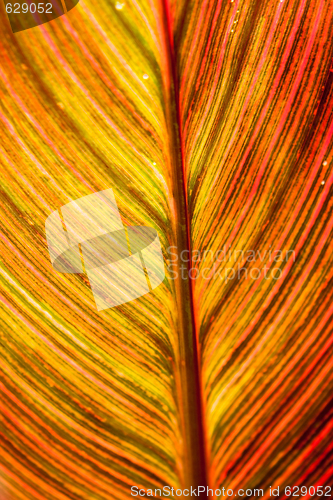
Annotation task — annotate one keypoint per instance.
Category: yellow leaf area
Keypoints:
(89, 400)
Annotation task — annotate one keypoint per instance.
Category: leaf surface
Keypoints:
(101, 401)
(255, 82)
(212, 123)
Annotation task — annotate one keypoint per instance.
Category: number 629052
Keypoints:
(33, 7)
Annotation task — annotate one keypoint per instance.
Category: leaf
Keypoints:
(98, 397)
(212, 123)
(256, 107)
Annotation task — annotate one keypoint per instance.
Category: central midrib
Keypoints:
(195, 473)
